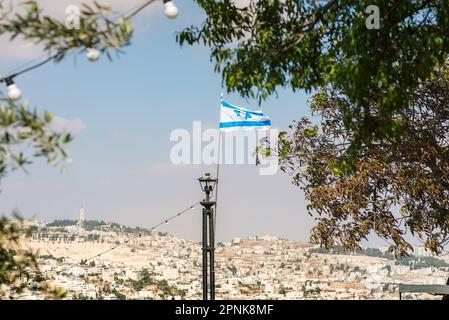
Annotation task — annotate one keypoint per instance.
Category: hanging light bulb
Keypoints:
(166, 222)
(171, 11)
(92, 54)
(14, 92)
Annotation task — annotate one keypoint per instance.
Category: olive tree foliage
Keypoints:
(15, 262)
(19, 269)
(21, 125)
(95, 30)
(308, 44)
(26, 133)
(397, 189)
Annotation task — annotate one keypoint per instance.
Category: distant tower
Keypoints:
(81, 220)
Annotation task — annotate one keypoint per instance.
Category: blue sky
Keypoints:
(123, 112)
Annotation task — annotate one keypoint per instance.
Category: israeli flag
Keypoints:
(234, 118)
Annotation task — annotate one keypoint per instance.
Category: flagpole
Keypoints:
(218, 168)
(219, 157)
(213, 218)
(218, 164)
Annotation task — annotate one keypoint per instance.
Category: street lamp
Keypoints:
(208, 184)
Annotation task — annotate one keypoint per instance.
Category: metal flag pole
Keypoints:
(209, 223)
(219, 155)
(213, 217)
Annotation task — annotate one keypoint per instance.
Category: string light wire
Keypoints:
(165, 221)
(54, 56)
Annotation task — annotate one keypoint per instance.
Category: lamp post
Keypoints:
(207, 184)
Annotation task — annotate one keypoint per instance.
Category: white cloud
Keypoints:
(74, 125)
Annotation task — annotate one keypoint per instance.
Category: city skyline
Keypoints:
(104, 261)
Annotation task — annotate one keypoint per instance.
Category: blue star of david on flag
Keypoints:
(234, 118)
(246, 115)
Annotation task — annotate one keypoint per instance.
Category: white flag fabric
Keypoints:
(235, 118)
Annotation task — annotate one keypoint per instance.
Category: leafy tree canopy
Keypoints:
(15, 262)
(95, 30)
(309, 44)
(395, 188)
(22, 130)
